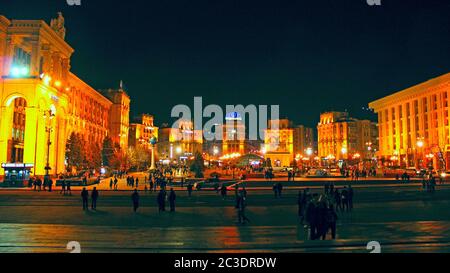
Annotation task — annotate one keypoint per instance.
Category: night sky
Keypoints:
(307, 56)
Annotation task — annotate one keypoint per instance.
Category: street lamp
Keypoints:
(48, 116)
(153, 141)
(420, 143)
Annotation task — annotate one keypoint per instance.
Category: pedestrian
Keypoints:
(94, 197)
(350, 197)
(331, 218)
(85, 196)
(50, 184)
(189, 189)
(68, 188)
(111, 183)
(280, 189)
(240, 206)
(172, 199)
(137, 182)
(311, 219)
(161, 200)
(63, 187)
(275, 190)
(151, 185)
(223, 192)
(135, 200)
(344, 199)
(115, 184)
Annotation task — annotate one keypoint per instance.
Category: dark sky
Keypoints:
(307, 56)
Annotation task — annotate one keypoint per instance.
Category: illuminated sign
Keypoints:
(233, 116)
(17, 165)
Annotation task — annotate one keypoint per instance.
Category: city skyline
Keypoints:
(271, 54)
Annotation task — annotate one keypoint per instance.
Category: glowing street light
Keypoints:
(420, 143)
(309, 152)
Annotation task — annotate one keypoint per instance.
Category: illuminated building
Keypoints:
(282, 144)
(179, 143)
(414, 125)
(41, 101)
(141, 131)
(234, 139)
(341, 137)
(119, 116)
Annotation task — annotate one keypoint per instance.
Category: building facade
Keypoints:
(119, 116)
(41, 102)
(284, 142)
(141, 131)
(414, 125)
(180, 143)
(341, 137)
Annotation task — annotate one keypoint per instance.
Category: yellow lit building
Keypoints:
(414, 125)
(341, 137)
(119, 116)
(41, 101)
(179, 143)
(141, 131)
(282, 145)
(233, 141)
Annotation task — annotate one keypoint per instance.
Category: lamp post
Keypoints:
(48, 116)
(153, 142)
(420, 143)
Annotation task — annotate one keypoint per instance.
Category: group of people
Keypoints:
(277, 190)
(320, 210)
(85, 198)
(37, 184)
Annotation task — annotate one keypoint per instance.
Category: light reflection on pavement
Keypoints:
(401, 220)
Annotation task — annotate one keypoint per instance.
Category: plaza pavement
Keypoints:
(402, 219)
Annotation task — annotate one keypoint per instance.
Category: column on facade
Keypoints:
(6, 114)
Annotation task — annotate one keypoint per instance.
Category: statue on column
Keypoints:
(57, 24)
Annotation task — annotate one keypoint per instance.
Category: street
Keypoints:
(402, 219)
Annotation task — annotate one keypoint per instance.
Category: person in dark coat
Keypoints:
(135, 199)
(189, 189)
(312, 220)
(85, 197)
(68, 188)
(350, 197)
(223, 191)
(161, 199)
(172, 199)
(331, 218)
(94, 197)
(63, 187)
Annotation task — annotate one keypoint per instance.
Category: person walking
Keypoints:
(172, 199)
(115, 184)
(69, 188)
(350, 197)
(111, 183)
(137, 183)
(94, 197)
(63, 187)
(279, 189)
(240, 206)
(189, 189)
(223, 192)
(161, 200)
(344, 198)
(135, 200)
(85, 197)
(331, 218)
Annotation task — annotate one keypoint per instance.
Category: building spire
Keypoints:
(121, 85)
